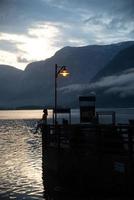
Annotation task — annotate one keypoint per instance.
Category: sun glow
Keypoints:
(38, 44)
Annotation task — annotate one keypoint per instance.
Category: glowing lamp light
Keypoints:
(59, 70)
(64, 72)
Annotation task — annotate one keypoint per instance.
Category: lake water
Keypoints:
(122, 115)
(21, 152)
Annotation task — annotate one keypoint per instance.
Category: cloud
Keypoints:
(74, 88)
(121, 84)
(22, 14)
(77, 23)
(6, 45)
(23, 60)
(36, 45)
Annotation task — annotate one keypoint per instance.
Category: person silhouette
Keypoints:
(43, 120)
(44, 116)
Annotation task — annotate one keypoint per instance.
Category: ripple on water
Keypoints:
(20, 160)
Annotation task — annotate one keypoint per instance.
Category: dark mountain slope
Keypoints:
(83, 62)
(122, 61)
(9, 84)
(37, 82)
(35, 85)
(9, 76)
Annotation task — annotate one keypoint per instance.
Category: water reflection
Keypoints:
(20, 161)
(21, 153)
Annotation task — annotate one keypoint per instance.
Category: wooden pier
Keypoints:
(88, 159)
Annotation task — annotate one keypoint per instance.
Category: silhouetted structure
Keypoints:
(89, 158)
(106, 113)
(87, 108)
(63, 111)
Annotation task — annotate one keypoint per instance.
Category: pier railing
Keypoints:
(104, 138)
(105, 152)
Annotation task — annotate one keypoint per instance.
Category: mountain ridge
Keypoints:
(122, 61)
(35, 85)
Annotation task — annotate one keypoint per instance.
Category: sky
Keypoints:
(32, 30)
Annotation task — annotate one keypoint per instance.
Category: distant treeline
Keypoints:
(28, 107)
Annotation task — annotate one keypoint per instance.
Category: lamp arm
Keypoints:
(58, 72)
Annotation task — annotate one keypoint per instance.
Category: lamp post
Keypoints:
(59, 70)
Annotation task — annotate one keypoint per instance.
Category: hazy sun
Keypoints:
(38, 44)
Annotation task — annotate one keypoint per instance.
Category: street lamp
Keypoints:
(59, 70)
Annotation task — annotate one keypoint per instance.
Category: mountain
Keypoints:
(83, 64)
(115, 82)
(9, 83)
(35, 85)
(122, 61)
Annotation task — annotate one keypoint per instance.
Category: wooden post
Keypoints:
(130, 158)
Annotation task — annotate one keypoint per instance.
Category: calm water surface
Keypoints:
(21, 152)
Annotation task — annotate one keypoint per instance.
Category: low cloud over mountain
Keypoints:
(106, 69)
(120, 84)
(116, 79)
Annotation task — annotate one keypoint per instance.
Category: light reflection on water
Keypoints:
(20, 160)
(21, 152)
